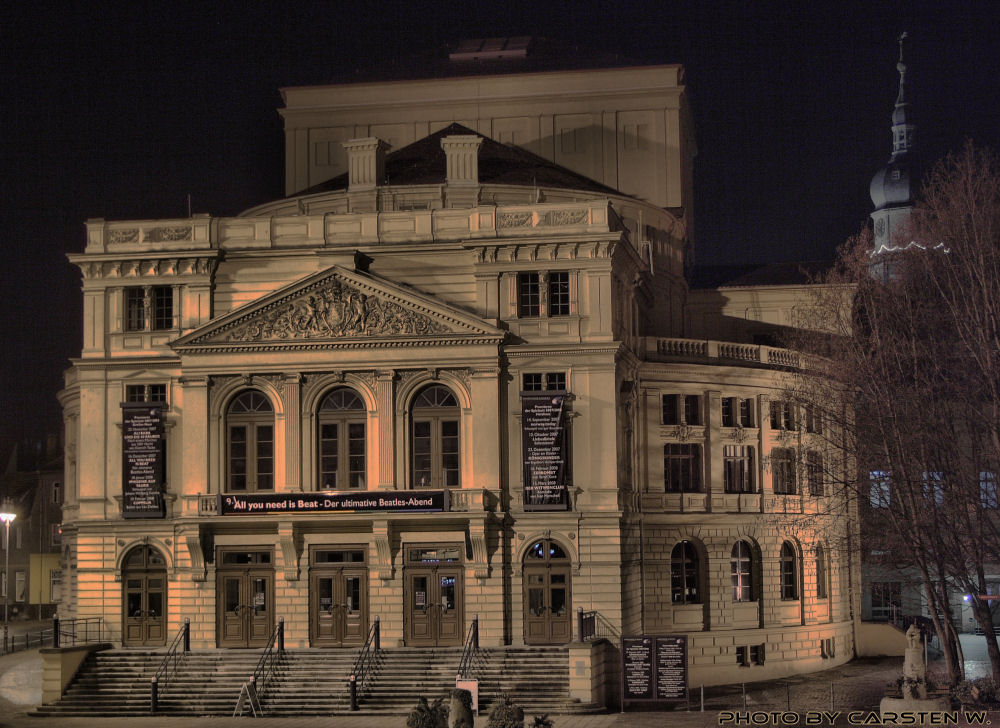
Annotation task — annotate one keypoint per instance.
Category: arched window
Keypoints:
(435, 445)
(250, 443)
(789, 583)
(741, 570)
(821, 573)
(684, 574)
(342, 441)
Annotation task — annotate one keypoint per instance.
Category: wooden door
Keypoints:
(434, 615)
(144, 606)
(547, 618)
(339, 607)
(245, 607)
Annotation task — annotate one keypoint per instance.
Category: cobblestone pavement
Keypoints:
(857, 686)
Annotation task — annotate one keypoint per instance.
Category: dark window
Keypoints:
(342, 441)
(783, 470)
(435, 440)
(692, 409)
(821, 573)
(741, 571)
(814, 420)
(549, 381)
(163, 308)
(934, 487)
(738, 469)
(532, 382)
(729, 411)
(814, 473)
(146, 393)
(681, 468)
(736, 411)
(555, 381)
(250, 423)
(746, 412)
(670, 413)
(887, 598)
(757, 654)
(782, 416)
(528, 298)
(789, 583)
(559, 293)
(135, 309)
(684, 576)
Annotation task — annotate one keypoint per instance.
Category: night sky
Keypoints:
(124, 112)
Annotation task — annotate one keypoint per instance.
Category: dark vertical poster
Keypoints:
(142, 460)
(543, 448)
(655, 668)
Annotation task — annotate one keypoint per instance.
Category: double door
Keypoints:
(339, 608)
(246, 607)
(547, 618)
(145, 608)
(434, 606)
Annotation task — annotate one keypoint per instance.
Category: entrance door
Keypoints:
(547, 595)
(339, 607)
(245, 598)
(434, 606)
(144, 598)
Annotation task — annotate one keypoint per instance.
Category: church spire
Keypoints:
(890, 188)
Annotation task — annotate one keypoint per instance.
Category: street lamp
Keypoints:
(6, 518)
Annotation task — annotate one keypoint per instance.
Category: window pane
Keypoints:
(135, 309)
(531, 382)
(163, 308)
(528, 294)
(559, 293)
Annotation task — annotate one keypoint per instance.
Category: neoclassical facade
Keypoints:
(448, 376)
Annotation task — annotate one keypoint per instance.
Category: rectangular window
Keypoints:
(814, 420)
(880, 489)
(933, 487)
(550, 381)
(729, 411)
(988, 489)
(145, 392)
(814, 473)
(135, 309)
(692, 409)
(887, 598)
(737, 411)
(757, 654)
(559, 293)
(19, 585)
(783, 470)
(738, 468)
(741, 656)
(555, 381)
(528, 298)
(782, 415)
(670, 414)
(163, 308)
(57, 493)
(532, 382)
(681, 468)
(55, 585)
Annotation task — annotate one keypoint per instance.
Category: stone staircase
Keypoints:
(314, 682)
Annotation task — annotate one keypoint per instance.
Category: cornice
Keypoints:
(132, 267)
(353, 343)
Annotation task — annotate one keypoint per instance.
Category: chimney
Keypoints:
(462, 164)
(365, 172)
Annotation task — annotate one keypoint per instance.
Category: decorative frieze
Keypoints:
(148, 267)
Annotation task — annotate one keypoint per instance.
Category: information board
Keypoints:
(654, 668)
(142, 460)
(543, 448)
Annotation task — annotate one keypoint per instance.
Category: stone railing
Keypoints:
(721, 352)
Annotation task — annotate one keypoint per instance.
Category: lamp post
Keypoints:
(6, 518)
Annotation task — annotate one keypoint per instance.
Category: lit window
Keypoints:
(741, 571)
(681, 468)
(880, 489)
(988, 489)
(684, 574)
(738, 469)
(789, 582)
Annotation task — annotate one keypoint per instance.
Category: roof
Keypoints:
(795, 273)
(423, 162)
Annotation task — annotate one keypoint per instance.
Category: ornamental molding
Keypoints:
(338, 308)
(148, 267)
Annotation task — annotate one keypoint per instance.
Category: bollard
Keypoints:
(187, 635)
(788, 696)
(281, 635)
(702, 698)
(744, 686)
(831, 697)
(579, 622)
(55, 631)
(378, 635)
(153, 696)
(354, 693)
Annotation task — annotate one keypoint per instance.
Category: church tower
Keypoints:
(892, 186)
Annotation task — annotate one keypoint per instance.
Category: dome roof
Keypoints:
(891, 185)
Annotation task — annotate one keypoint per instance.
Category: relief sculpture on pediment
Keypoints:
(335, 310)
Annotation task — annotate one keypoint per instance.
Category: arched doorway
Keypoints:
(144, 598)
(547, 595)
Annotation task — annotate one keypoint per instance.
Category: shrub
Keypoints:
(504, 714)
(428, 715)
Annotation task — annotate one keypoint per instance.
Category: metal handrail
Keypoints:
(593, 625)
(469, 650)
(59, 630)
(38, 637)
(274, 650)
(365, 662)
(168, 666)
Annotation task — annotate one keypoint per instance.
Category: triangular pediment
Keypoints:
(335, 308)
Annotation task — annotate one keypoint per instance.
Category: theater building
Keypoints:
(449, 375)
